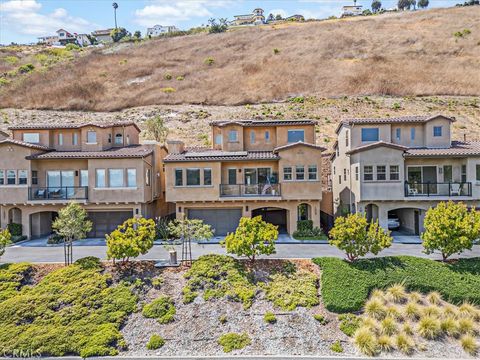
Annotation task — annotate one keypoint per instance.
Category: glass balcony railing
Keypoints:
(243, 190)
(58, 193)
(448, 189)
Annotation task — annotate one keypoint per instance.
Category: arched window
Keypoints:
(303, 212)
(118, 139)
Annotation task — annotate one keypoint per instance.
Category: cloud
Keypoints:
(168, 12)
(24, 17)
(278, 12)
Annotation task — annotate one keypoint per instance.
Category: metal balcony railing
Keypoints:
(243, 190)
(58, 193)
(449, 189)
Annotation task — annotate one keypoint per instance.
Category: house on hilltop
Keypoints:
(158, 30)
(103, 36)
(255, 18)
(352, 10)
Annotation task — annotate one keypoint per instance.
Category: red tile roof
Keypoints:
(458, 148)
(103, 125)
(376, 145)
(24, 144)
(299, 143)
(204, 154)
(134, 151)
(263, 122)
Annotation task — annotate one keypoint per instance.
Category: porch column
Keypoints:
(315, 215)
(383, 217)
(26, 228)
(292, 219)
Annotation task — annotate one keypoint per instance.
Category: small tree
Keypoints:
(5, 239)
(134, 237)
(219, 27)
(137, 34)
(71, 224)
(252, 237)
(278, 17)
(404, 4)
(376, 5)
(423, 4)
(188, 230)
(450, 228)
(354, 235)
(156, 129)
(118, 34)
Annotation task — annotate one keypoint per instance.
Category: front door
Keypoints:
(429, 174)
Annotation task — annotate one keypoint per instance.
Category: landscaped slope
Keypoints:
(414, 53)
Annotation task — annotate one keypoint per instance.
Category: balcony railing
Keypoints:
(450, 189)
(58, 193)
(242, 190)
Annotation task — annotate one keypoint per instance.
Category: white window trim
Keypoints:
(316, 173)
(291, 174)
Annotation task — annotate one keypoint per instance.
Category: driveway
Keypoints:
(404, 238)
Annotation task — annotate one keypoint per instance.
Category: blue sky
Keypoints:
(23, 21)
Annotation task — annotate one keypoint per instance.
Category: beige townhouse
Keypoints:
(254, 167)
(395, 169)
(99, 165)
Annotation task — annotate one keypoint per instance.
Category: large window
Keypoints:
(22, 177)
(193, 177)
(218, 139)
(33, 138)
(118, 139)
(296, 136)
(368, 173)
(115, 178)
(178, 177)
(312, 172)
(232, 176)
(233, 136)
(207, 176)
(381, 172)
(132, 178)
(370, 134)
(2, 177)
(60, 139)
(299, 172)
(437, 131)
(394, 172)
(75, 139)
(11, 177)
(100, 178)
(287, 173)
(91, 137)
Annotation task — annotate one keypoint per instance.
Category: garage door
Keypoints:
(222, 220)
(104, 222)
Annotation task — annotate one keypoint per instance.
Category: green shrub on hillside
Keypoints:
(26, 68)
(233, 341)
(12, 278)
(346, 286)
(161, 309)
(70, 311)
(155, 342)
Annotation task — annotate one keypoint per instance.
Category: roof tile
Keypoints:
(134, 151)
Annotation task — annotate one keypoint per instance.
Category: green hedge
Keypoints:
(346, 286)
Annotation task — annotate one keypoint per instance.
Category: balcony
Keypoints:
(58, 193)
(242, 190)
(430, 189)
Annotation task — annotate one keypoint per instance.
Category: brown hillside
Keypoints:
(414, 53)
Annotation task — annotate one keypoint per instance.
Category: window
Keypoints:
(115, 178)
(398, 133)
(287, 173)
(437, 131)
(394, 172)
(22, 177)
(477, 168)
(100, 178)
(34, 177)
(233, 136)
(109, 138)
(11, 177)
(412, 134)
(2, 177)
(346, 137)
(344, 174)
(464, 173)
(33, 138)
(368, 173)
(370, 134)
(312, 172)
(207, 176)
(131, 178)
(232, 176)
(252, 137)
(299, 172)
(178, 177)
(84, 178)
(337, 151)
(381, 172)
(356, 173)
(339, 179)
(118, 139)
(218, 139)
(75, 139)
(267, 136)
(91, 137)
(148, 177)
(296, 136)
(60, 139)
(193, 177)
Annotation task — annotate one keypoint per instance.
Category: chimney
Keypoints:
(175, 146)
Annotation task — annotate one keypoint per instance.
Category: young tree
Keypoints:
(5, 239)
(156, 129)
(423, 4)
(252, 237)
(118, 34)
(270, 17)
(188, 230)
(134, 237)
(376, 5)
(354, 235)
(404, 4)
(278, 17)
(71, 224)
(413, 3)
(137, 34)
(450, 228)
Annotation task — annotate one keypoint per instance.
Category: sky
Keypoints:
(22, 21)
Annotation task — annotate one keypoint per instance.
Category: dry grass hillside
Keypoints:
(414, 53)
